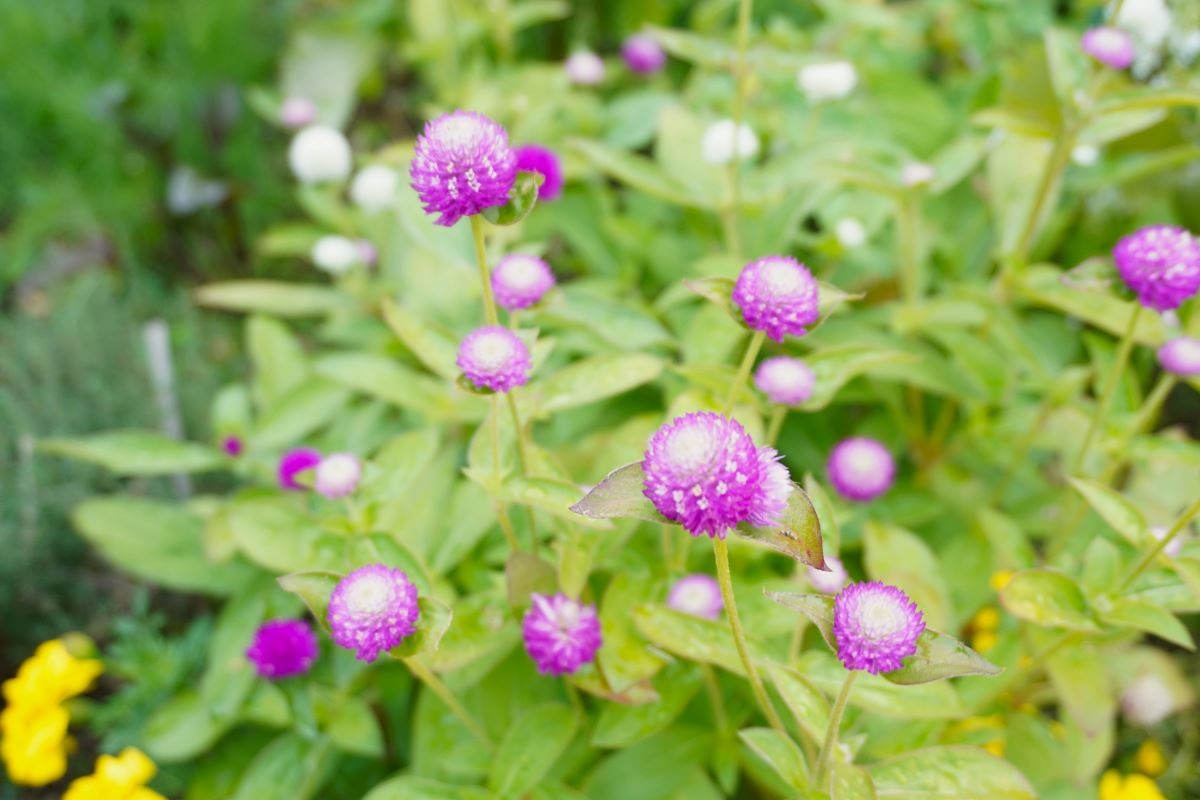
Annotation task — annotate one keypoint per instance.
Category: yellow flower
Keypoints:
(988, 619)
(1114, 786)
(1000, 579)
(995, 747)
(1150, 759)
(984, 641)
(118, 777)
(50, 676)
(34, 744)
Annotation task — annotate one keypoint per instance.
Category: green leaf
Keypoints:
(875, 694)
(826, 515)
(289, 768)
(593, 379)
(433, 346)
(432, 624)
(901, 558)
(304, 410)
(1143, 99)
(137, 453)
(798, 534)
(350, 724)
(1069, 66)
(661, 764)
(622, 725)
(619, 496)
(182, 729)
(529, 750)
(526, 574)
(779, 752)
(280, 536)
(625, 661)
(1049, 598)
(718, 291)
(696, 639)
(314, 588)
(278, 359)
(1081, 682)
(382, 548)
(954, 773)
(549, 494)
(522, 197)
(1145, 616)
(228, 677)
(807, 704)
(851, 783)
(638, 173)
(1042, 285)
(385, 379)
(834, 367)
(273, 297)
(408, 787)
(1121, 515)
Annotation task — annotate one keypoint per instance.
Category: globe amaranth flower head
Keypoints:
(292, 463)
(643, 54)
(785, 380)
(519, 280)
(832, 80)
(584, 67)
(861, 468)
(374, 188)
(462, 166)
(876, 627)
(829, 581)
(698, 595)
(282, 648)
(1112, 47)
(296, 112)
(232, 446)
(493, 357)
(320, 154)
(1181, 356)
(561, 634)
(1160, 264)
(778, 296)
(337, 475)
(336, 255)
(543, 160)
(704, 471)
(372, 609)
(725, 141)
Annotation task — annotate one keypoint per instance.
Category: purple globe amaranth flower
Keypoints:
(1160, 264)
(704, 471)
(876, 627)
(493, 357)
(643, 54)
(785, 380)
(535, 158)
(1181, 356)
(777, 295)
(337, 475)
(1112, 47)
(831, 581)
(372, 609)
(292, 463)
(861, 468)
(232, 446)
(282, 648)
(462, 165)
(698, 595)
(519, 280)
(561, 634)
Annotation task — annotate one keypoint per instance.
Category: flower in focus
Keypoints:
(584, 68)
(724, 141)
(917, 173)
(829, 81)
(1150, 758)
(543, 160)
(704, 472)
(232, 446)
(493, 357)
(876, 627)
(698, 595)
(120, 777)
(292, 463)
(850, 233)
(337, 475)
(829, 581)
(561, 634)
(519, 280)
(785, 380)
(374, 188)
(777, 295)
(1160, 264)
(861, 468)
(336, 255)
(371, 610)
(643, 54)
(462, 166)
(282, 648)
(1110, 46)
(320, 154)
(297, 112)
(1181, 356)
(1115, 786)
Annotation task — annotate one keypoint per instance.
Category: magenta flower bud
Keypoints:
(462, 166)
(698, 595)
(372, 609)
(543, 160)
(643, 54)
(777, 295)
(785, 380)
(584, 68)
(876, 627)
(561, 634)
(861, 469)
(519, 280)
(1112, 47)
(493, 357)
(232, 446)
(292, 463)
(1160, 264)
(296, 112)
(830, 582)
(282, 648)
(1181, 356)
(704, 472)
(337, 475)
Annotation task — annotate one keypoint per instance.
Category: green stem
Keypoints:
(519, 432)
(778, 414)
(1059, 156)
(730, 215)
(743, 373)
(427, 677)
(714, 698)
(908, 222)
(498, 478)
(1110, 387)
(1148, 559)
(721, 551)
(1020, 449)
(835, 722)
(485, 279)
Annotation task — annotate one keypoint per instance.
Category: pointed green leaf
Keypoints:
(798, 533)
(619, 495)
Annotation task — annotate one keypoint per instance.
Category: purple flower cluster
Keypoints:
(1160, 264)
(876, 627)
(493, 357)
(861, 468)
(282, 648)
(785, 380)
(543, 160)
(704, 471)
(519, 280)
(462, 165)
(372, 609)
(698, 595)
(777, 295)
(561, 634)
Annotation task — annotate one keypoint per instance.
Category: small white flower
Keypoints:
(1147, 21)
(584, 67)
(319, 154)
(723, 142)
(850, 232)
(337, 475)
(374, 188)
(336, 254)
(1085, 155)
(1148, 700)
(917, 173)
(830, 81)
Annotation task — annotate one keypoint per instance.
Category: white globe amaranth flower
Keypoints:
(320, 154)
(1148, 700)
(584, 68)
(832, 80)
(1147, 21)
(1085, 155)
(336, 254)
(850, 233)
(374, 188)
(917, 173)
(725, 141)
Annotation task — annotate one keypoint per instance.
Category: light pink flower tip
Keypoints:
(861, 469)
(698, 595)
(337, 475)
(831, 581)
(493, 357)
(519, 280)
(1112, 47)
(561, 634)
(777, 295)
(876, 627)
(296, 112)
(1181, 356)
(584, 68)
(785, 380)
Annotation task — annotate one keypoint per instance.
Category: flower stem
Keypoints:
(778, 414)
(519, 433)
(1059, 155)
(427, 677)
(908, 222)
(835, 722)
(1110, 386)
(1184, 519)
(730, 215)
(498, 477)
(714, 698)
(743, 373)
(485, 279)
(721, 550)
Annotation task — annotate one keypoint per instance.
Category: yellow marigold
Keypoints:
(34, 745)
(1000, 579)
(52, 674)
(1150, 759)
(120, 777)
(1114, 786)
